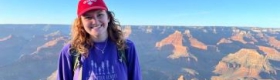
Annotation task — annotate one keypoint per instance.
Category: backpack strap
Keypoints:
(75, 59)
(122, 56)
(76, 63)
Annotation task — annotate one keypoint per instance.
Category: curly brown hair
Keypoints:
(80, 39)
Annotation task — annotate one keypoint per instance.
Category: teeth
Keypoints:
(95, 26)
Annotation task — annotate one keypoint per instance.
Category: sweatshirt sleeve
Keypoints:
(64, 64)
(134, 71)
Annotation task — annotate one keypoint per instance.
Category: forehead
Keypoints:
(95, 11)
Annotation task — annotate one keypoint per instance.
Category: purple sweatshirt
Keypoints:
(98, 66)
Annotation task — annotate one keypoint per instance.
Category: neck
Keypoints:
(100, 38)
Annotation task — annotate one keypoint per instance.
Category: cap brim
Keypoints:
(91, 8)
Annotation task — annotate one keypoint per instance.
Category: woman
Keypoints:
(97, 50)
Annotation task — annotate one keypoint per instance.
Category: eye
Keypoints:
(87, 17)
(100, 15)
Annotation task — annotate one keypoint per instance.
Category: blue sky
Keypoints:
(252, 13)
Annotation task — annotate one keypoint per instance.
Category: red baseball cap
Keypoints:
(87, 5)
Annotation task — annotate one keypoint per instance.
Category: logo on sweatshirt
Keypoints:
(102, 71)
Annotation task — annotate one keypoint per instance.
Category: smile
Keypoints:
(95, 26)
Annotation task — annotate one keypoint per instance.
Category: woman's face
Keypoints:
(95, 22)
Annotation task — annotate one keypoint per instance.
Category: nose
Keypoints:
(95, 21)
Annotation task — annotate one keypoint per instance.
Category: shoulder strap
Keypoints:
(75, 59)
(123, 57)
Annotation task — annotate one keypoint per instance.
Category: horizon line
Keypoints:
(142, 25)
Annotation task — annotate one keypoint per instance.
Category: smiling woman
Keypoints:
(97, 50)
